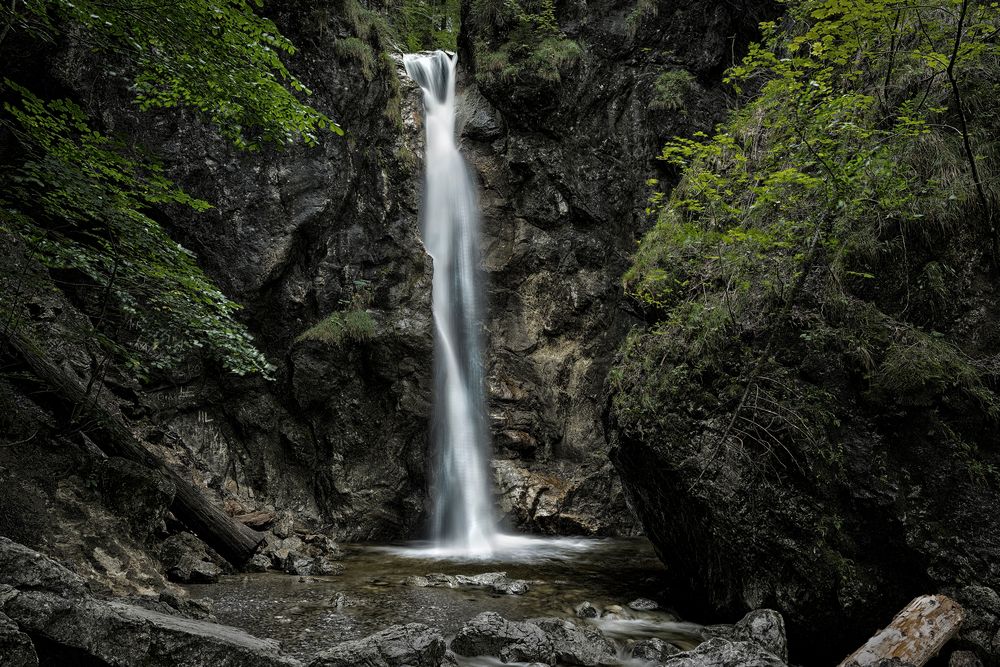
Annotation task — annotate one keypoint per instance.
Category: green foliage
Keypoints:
(672, 89)
(531, 43)
(341, 326)
(359, 51)
(352, 323)
(219, 58)
(80, 203)
(829, 205)
(426, 25)
(643, 11)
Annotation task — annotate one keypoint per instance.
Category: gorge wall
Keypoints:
(321, 246)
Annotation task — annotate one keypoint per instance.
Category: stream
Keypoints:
(308, 614)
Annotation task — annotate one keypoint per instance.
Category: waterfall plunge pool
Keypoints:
(308, 614)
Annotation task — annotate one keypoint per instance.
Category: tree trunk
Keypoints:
(231, 539)
(915, 635)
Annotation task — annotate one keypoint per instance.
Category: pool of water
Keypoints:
(307, 614)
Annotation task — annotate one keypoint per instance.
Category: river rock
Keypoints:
(259, 563)
(411, 645)
(16, 649)
(491, 634)
(586, 610)
(764, 627)
(188, 560)
(643, 604)
(577, 644)
(296, 563)
(653, 650)
(720, 652)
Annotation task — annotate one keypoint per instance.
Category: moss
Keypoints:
(643, 10)
(340, 327)
(354, 49)
(672, 90)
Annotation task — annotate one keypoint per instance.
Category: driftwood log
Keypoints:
(231, 539)
(915, 635)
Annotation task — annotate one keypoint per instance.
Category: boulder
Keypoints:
(21, 567)
(188, 560)
(121, 634)
(259, 563)
(577, 644)
(964, 659)
(411, 645)
(586, 610)
(720, 652)
(491, 634)
(643, 604)
(764, 627)
(16, 649)
(653, 650)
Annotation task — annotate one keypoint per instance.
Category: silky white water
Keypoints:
(464, 523)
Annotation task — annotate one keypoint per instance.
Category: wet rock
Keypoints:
(765, 627)
(296, 563)
(140, 636)
(613, 609)
(411, 645)
(720, 652)
(511, 587)
(964, 659)
(577, 644)
(325, 567)
(24, 568)
(259, 563)
(653, 650)
(491, 634)
(586, 610)
(188, 561)
(16, 649)
(138, 494)
(498, 582)
(643, 604)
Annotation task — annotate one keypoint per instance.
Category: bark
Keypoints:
(915, 635)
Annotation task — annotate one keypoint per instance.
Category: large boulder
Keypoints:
(24, 568)
(490, 633)
(764, 627)
(16, 649)
(411, 645)
(575, 644)
(720, 652)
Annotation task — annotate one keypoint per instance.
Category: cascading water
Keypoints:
(463, 517)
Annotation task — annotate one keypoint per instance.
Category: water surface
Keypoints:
(308, 614)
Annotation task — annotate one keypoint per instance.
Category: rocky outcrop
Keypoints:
(412, 645)
(546, 640)
(52, 609)
(724, 653)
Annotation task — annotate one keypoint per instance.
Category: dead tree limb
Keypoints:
(915, 635)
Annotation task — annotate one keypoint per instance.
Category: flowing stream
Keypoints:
(463, 517)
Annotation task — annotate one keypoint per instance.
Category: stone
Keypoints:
(411, 645)
(577, 644)
(16, 649)
(765, 627)
(643, 604)
(259, 563)
(491, 634)
(720, 652)
(296, 563)
(653, 650)
(188, 560)
(190, 570)
(138, 494)
(140, 636)
(24, 568)
(964, 659)
(586, 610)
(325, 567)
(511, 587)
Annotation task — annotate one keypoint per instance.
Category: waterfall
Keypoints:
(463, 516)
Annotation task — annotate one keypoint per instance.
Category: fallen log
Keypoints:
(916, 634)
(231, 539)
